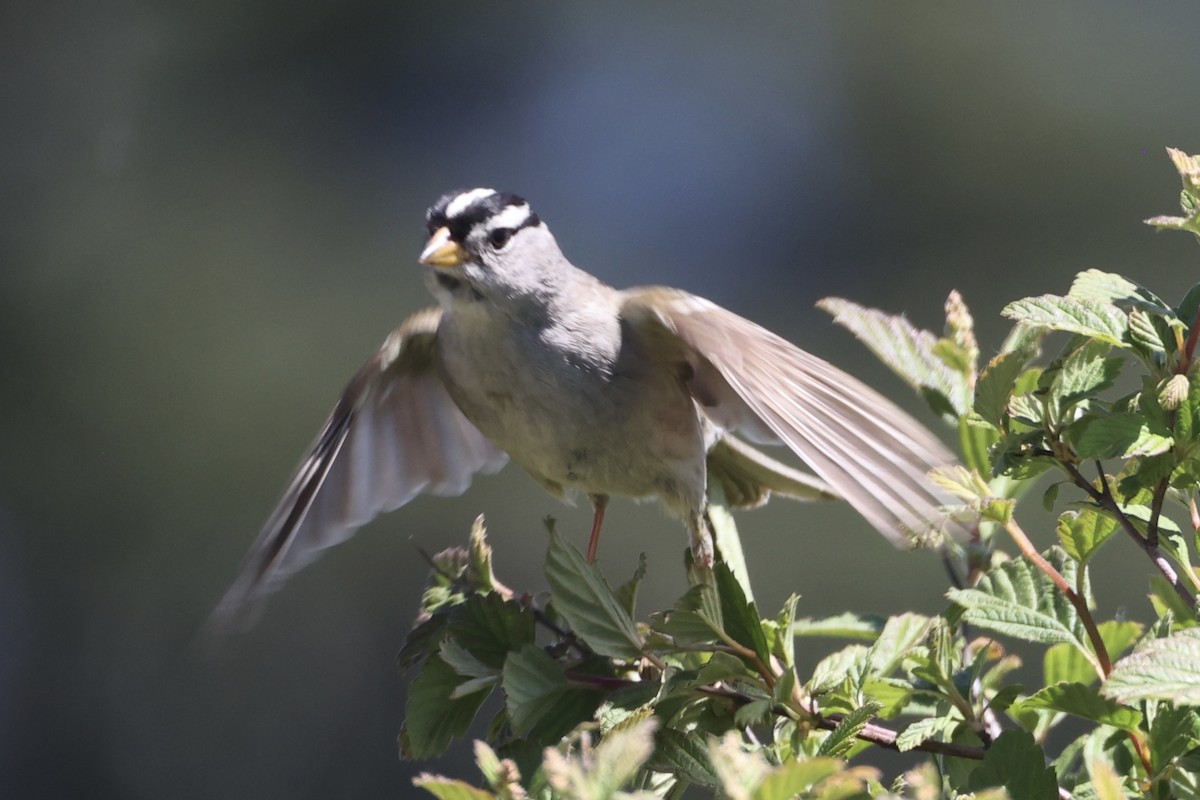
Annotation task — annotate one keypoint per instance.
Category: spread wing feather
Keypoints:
(394, 433)
(872, 454)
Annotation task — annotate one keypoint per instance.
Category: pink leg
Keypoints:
(599, 502)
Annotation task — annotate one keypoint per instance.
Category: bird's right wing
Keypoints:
(395, 433)
(748, 380)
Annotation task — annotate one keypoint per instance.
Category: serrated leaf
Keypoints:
(1086, 371)
(795, 777)
(627, 592)
(1144, 333)
(1083, 701)
(726, 539)
(906, 350)
(1109, 287)
(742, 620)
(422, 640)
(586, 602)
(1064, 662)
(541, 702)
(833, 670)
(448, 789)
(997, 381)
(843, 626)
(1016, 599)
(432, 718)
(925, 729)
(1102, 321)
(1160, 669)
(598, 773)
(842, 738)
(1173, 732)
(1119, 434)
(785, 644)
(1105, 784)
(1083, 532)
(463, 661)
(899, 636)
(684, 755)
(1189, 306)
(491, 627)
(1015, 762)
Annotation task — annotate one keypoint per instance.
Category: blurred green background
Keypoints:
(211, 213)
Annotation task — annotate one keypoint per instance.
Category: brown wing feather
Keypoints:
(394, 433)
(871, 453)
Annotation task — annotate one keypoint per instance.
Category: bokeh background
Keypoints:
(210, 216)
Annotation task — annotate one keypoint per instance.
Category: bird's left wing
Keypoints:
(747, 379)
(395, 433)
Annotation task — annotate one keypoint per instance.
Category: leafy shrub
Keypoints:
(600, 705)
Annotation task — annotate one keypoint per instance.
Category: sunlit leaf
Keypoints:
(1083, 701)
(907, 350)
(587, 603)
(1160, 669)
(1102, 321)
(1015, 762)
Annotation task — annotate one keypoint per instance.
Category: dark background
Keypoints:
(210, 217)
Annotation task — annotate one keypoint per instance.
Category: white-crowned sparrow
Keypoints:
(612, 392)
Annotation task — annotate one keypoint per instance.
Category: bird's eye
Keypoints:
(499, 237)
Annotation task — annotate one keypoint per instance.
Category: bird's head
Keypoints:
(485, 244)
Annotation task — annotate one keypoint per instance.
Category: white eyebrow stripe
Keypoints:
(510, 217)
(461, 203)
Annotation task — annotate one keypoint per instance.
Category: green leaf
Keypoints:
(422, 640)
(727, 540)
(1189, 306)
(742, 620)
(906, 350)
(447, 789)
(996, 383)
(586, 602)
(598, 773)
(432, 717)
(1160, 669)
(463, 661)
(834, 670)
(1065, 663)
(1085, 372)
(1015, 762)
(1083, 532)
(627, 592)
(935, 728)
(1143, 333)
(1118, 434)
(683, 754)
(491, 627)
(1108, 287)
(785, 645)
(1102, 321)
(842, 738)
(542, 704)
(1173, 732)
(1083, 701)
(843, 626)
(1168, 602)
(1016, 599)
(899, 636)
(795, 777)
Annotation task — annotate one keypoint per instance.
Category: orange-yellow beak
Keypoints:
(442, 251)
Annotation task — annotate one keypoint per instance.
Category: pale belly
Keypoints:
(581, 425)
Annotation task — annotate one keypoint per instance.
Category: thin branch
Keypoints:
(1027, 549)
(1105, 500)
(1156, 505)
(871, 732)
